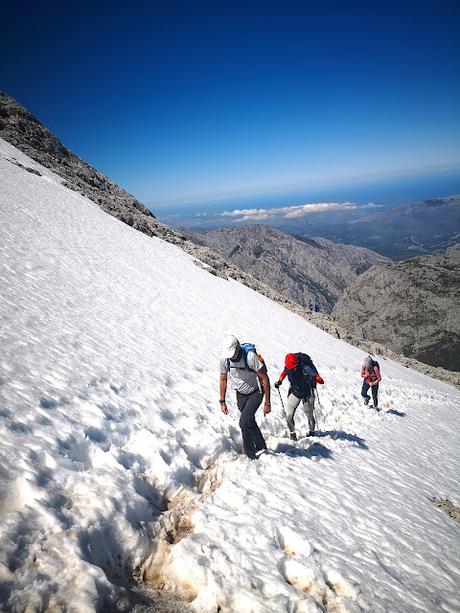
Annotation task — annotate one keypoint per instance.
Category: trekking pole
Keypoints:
(317, 397)
(320, 405)
(282, 403)
(281, 399)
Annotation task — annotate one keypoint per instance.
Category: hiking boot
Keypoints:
(366, 400)
(293, 436)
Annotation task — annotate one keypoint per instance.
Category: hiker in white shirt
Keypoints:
(249, 378)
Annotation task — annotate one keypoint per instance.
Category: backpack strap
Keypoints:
(245, 360)
(245, 348)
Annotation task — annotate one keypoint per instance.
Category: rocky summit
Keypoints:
(412, 306)
(312, 272)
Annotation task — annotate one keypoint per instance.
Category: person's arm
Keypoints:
(223, 391)
(266, 387)
(378, 375)
(281, 379)
(363, 372)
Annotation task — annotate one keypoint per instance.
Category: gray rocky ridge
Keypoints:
(24, 131)
(412, 306)
(311, 272)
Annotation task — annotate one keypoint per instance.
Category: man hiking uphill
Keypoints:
(249, 378)
(370, 372)
(303, 377)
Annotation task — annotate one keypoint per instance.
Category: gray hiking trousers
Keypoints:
(253, 441)
(308, 405)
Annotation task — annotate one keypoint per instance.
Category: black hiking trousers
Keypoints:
(253, 440)
(374, 390)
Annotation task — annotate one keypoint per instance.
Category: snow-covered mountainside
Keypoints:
(122, 485)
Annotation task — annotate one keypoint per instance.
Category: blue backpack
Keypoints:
(246, 348)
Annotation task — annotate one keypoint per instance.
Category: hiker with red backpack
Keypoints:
(370, 372)
(303, 377)
(248, 375)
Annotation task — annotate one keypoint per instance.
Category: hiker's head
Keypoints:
(230, 347)
(367, 361)
(291, 360)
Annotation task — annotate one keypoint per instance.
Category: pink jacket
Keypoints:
(371, 374)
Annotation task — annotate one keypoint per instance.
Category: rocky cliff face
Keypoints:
(412, 306)
(308, 271)
(24, 131)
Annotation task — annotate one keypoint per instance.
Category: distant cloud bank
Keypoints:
(288, 212)
(277, 217)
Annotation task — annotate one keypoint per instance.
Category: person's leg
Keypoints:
(309, 408)
(248, 444)
(364, 391)
(252, 436)
(375, 394)
(257, 436)
(291, 406)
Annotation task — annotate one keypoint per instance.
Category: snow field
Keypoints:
(116, 460)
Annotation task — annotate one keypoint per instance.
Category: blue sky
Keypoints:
(181, 101)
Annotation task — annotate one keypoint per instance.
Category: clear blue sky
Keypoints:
(186, 100)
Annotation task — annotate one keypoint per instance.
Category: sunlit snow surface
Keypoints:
(109, 345)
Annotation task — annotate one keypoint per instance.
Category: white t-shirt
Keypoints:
(243, 380)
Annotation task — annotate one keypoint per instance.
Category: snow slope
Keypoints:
(123, 486)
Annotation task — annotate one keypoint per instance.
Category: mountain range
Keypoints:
(423, 228)
(401, 232)
(312, 272)
(412, 306)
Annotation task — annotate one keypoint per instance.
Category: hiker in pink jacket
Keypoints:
(370, 372)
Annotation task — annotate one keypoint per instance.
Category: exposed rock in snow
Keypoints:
(449, 508)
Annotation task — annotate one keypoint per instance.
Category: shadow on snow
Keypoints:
(395, 412)
(315, 450)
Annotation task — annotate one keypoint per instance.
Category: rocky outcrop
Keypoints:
(24, 131)
(312, 272)
(20, 128)
(412, 306)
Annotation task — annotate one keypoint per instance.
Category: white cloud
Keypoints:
(287, 212)
(251, 213)
(371, 205)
